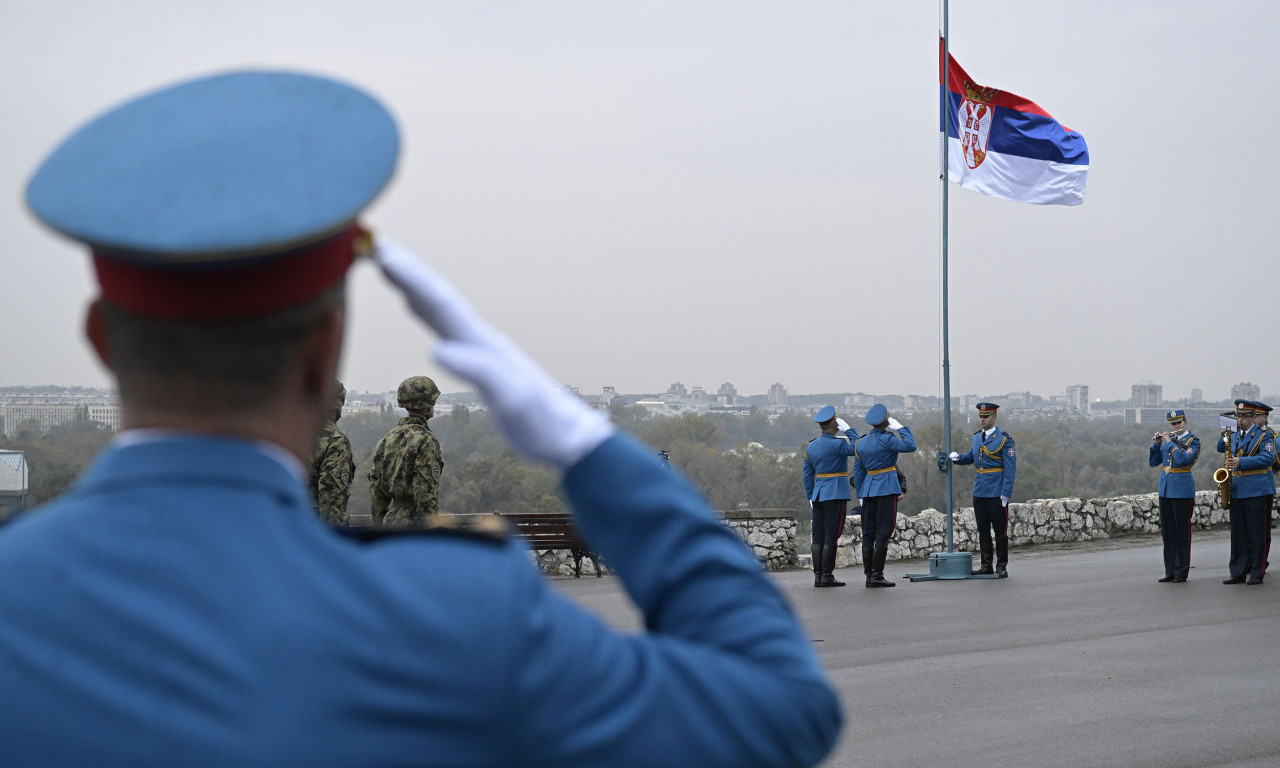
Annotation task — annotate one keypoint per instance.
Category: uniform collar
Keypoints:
(139, 457)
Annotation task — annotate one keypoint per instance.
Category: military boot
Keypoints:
(829, 553)
(817, 565)
(877, 579)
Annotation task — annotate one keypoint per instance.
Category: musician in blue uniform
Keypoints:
(183, 605)
(1175, 452)
(875, 478)
(826, 485)
(1252, 452)
(995, 461)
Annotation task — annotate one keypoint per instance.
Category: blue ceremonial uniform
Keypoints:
(1252, 489)
(182, 605)
(826, 466)
(826, 485)
(875, 462)
(1176, 495)
(1176, 458)
(875, 478)
(995, 461)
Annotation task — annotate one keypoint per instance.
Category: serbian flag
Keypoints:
(1005, 146)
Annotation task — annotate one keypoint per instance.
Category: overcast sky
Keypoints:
(643, 192)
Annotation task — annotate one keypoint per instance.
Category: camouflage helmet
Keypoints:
(417, 390)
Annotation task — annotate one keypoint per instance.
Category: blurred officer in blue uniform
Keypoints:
(183, 605)
(995, 461)
(1176, 452)
(875, 478)
(826, 485)
(1252, 452)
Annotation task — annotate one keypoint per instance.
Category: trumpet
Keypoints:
(1222, 475)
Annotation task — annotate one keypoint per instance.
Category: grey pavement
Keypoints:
(1079, 659)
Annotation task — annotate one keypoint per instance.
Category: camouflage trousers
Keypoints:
(403, 512)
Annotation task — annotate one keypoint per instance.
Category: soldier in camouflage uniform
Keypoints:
(332, 468)
(404, 480)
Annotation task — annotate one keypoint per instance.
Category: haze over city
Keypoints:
(649, 192)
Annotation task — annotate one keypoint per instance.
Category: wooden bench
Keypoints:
(553, 530)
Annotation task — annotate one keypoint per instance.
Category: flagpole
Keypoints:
(949, 564)
(945, 113)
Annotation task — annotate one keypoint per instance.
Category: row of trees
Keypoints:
(737, 462)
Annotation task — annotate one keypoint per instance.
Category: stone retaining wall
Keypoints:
(771, 533)
(1037, 521)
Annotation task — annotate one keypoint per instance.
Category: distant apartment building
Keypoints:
(778, 396)
(678, 391)
(1246, 391)
(1078, 398)
(46, 412)
(859, 402)
(1203, 420)
(1147, 394)
(1017, 400)
(727, 394)
(1197, 395)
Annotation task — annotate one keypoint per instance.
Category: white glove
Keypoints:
(539, 419)
(842, 425)
(894, 424)
(862, 502)
(955, 456)
(1004, 501)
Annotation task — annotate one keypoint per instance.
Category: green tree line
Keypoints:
(753, 461)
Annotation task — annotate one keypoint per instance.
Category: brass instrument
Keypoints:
(1222, 475)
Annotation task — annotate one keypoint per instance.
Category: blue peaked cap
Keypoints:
(826, 414)
(220, 168)
(877, 414)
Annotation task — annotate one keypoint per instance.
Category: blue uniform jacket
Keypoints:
(1257, 450)
(995, 461)
(183, 605)
(826, 466)
(1176, 460)
(875, 461)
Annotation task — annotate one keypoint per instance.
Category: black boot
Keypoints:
(877, 569)
(817, 565)
(829, 553)
(985, 570)
(868, 556)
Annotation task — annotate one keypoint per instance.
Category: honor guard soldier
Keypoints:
(404, 476)
(826, 485)
(1176, 452)
(995, 463)
(875, 478)
(332, 467)
(1250, 454)
(186, 602)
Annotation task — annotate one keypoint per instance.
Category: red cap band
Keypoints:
(219, 292)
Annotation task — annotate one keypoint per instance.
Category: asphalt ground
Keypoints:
(1080, 658)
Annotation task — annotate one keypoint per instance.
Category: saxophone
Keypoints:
(1222, 475)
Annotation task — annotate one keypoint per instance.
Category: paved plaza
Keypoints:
(1079, 659)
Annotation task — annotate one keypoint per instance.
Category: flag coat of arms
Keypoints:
(1003, 145)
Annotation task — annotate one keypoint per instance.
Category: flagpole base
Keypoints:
(950, 566)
